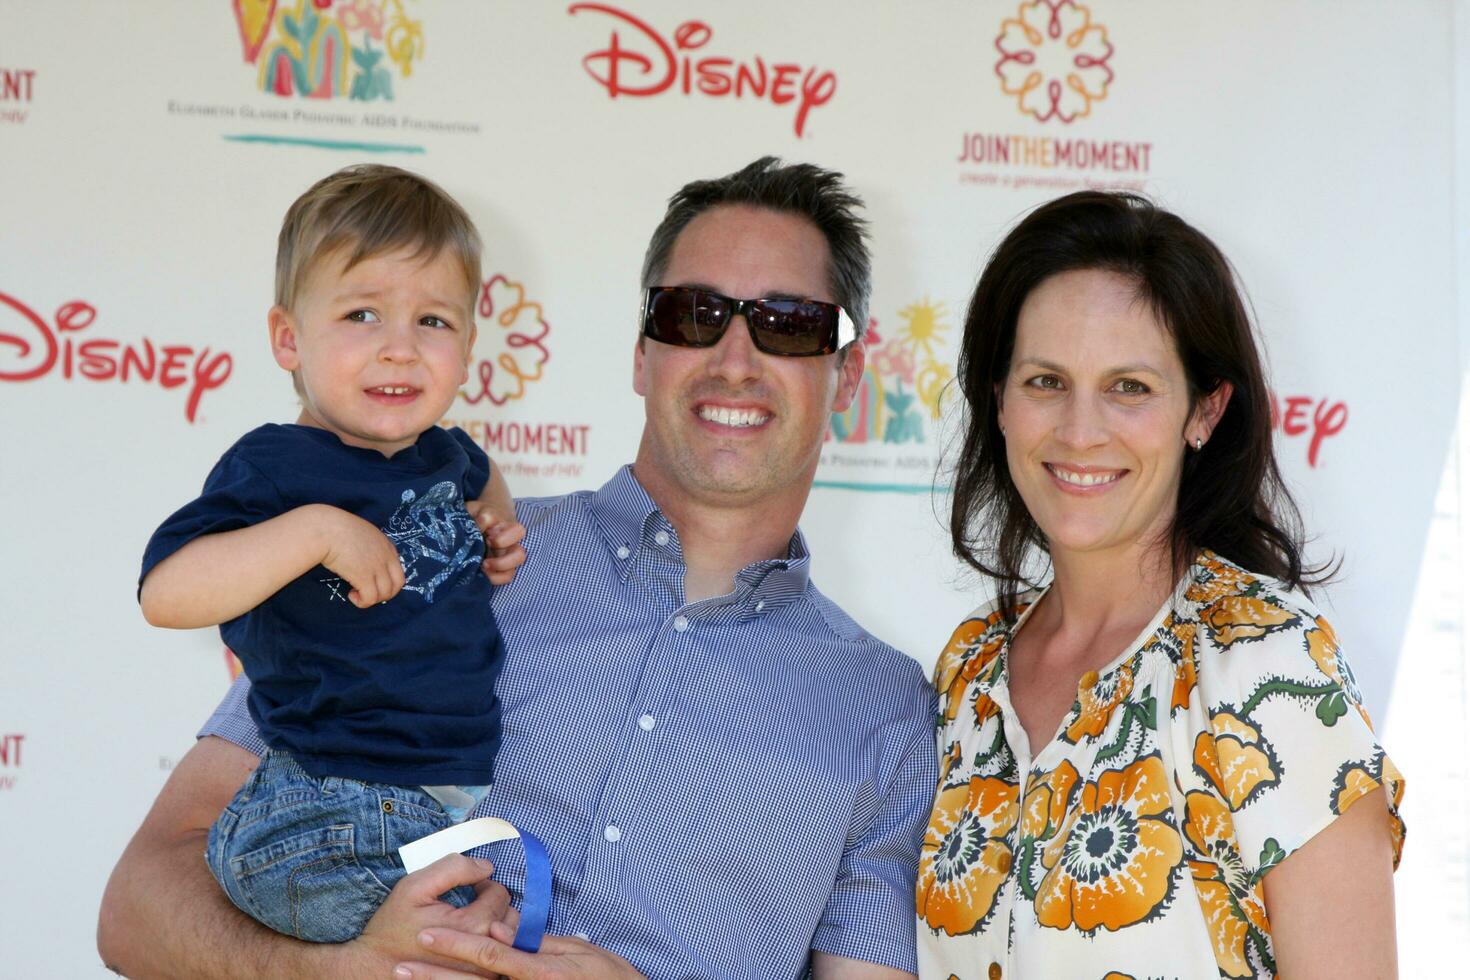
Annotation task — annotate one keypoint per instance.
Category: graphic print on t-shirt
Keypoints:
(435, 536)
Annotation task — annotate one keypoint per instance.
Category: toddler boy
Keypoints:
(339, 559)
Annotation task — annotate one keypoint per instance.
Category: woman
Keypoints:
(1157, 765)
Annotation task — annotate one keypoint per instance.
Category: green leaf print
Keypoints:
(1271, 855)
(1332, 707)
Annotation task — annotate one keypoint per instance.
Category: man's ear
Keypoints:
(849, 375)
(283, 337)
(640, 384)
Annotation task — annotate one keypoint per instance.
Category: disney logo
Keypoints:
(649, 65)
(30, 348)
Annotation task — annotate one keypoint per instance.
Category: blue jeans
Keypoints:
(314, 858)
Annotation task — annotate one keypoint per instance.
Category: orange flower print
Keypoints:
(1048, 801)
(1096, 703)
(966, 855)
(1048, 804)
(1121, 852)
(972, 646)
(1358, 779)
(1186, 669)
(1237, 761)
(1322, 646)
(1215, 578)
(1232, 906)
(1245, 617)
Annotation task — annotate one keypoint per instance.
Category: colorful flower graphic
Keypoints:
(510, 351)
(904, 374)
(307, 49)
(1117, 860)
(965, 857)
(1054, 59)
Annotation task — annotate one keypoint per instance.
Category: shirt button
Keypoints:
(681, 623)
(661, 538)
(611, 834)
(646, 723)
(623, 553)
(1003, 863)
(995, 971)
(1088, 680)
(760, 605)
(581, 935)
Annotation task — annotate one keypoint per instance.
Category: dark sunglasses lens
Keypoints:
(794, 328)
(687, 317)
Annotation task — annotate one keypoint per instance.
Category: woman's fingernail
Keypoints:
(426, 939)
(402, 971)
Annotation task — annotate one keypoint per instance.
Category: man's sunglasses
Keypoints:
(689, 317)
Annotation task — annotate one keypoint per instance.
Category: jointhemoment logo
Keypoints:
(510, 355)
(1054, 64)
(647, 65)
(307, 50)
(1054, 60)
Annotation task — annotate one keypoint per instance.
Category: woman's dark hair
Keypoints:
(1231, 496)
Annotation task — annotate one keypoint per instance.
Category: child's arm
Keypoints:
(216, 577)
(495, 513)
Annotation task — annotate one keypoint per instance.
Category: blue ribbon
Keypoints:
(536, 899)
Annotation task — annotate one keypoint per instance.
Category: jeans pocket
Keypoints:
(310, 885)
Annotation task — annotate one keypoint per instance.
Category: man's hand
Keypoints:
(560, 958)
(361, 554)
(503, 551)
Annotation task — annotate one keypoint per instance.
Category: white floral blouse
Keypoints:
(1224, 738)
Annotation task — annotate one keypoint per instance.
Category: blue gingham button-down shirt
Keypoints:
(723, 786)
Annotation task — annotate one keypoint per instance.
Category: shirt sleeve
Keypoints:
(1288, 746)
(231, 721)
(870, 914)
(478, 473)
(236, 494)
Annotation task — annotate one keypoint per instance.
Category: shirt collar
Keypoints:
(628, 519)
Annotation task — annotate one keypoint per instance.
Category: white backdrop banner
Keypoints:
(149, 151)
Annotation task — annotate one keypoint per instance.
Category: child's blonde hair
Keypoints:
(369, 209)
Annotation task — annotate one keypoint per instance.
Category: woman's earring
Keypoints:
(1198, 444)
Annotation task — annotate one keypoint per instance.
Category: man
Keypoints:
(731, 777)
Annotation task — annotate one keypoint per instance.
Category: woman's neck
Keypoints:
(1094, 594)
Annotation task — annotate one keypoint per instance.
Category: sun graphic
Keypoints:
(924, 323)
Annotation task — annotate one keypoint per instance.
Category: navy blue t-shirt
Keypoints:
(403, 692)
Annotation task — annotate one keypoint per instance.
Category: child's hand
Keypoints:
(363, 555)
(503, 551)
